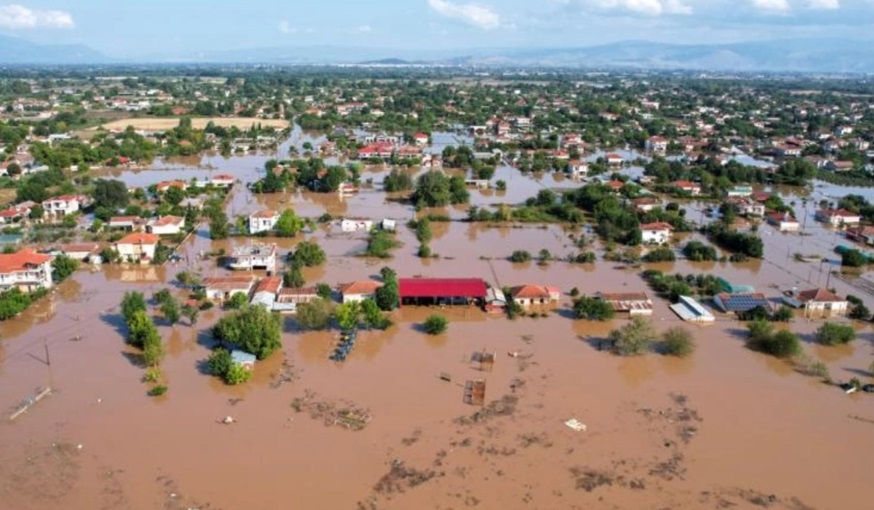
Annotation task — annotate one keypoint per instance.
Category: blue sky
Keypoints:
(131, 28)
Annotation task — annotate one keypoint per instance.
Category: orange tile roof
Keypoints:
(819, 295)
(360, 287)
(658, 225)
(139, 238)
(167, 220)
(530, 291)
(19, 261)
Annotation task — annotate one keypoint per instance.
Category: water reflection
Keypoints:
(635, 370)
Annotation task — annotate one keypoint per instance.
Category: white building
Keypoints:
(26, 270)
(656, 233)
(578, 169)
(263, 221)
(222, 288)
(63, 205)
(838, 217)
(137, 247)
(166, 225)
(255, 256)
(348, 225)
(358, 291)
(656, 144)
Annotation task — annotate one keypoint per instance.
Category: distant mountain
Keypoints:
(804, 55)
(19, 51)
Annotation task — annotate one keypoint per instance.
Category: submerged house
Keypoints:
(692, 311)
(253, 256)
(528, 295)
(632, 303)
(442, 291)
(222, 288)
(741, 302)
(358, 291)
(817, 303)
(496, 301)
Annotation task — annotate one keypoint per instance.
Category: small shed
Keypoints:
(243, 358)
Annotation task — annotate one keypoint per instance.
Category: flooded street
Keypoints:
(726, 427)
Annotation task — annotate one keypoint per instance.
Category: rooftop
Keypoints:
(442, 287)
(11, 262)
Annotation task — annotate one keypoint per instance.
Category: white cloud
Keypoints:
(772, 5)
(826, 5)
(651, 7)
(16, 16)
(365, 29)
(286, 28)
(476, 15)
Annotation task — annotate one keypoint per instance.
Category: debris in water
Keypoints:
(576, 425)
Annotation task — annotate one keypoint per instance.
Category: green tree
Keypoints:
(162, 296)
(153, 348)
(324, 291)
(111, 194)
(519, 256)
(831, 333)
(219, 362)
(237, 301)
(218, 226)
(190, 313)
(397, 180)
(253, 329)
(593, 309)
(348, 315)
(62, 267)
(131, 303)
(423, 230)
(139, 327)
(288, 224)
(174, 195)
(762, 337)
(373, 316)
(237, 374)
(315, 315)
(678, 341)
(633, 338)
(294, 277)
(435, 324)
(853, 258)
(388, 296)
(170, 311)
(309, 254)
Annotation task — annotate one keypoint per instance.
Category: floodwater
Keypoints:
(723, 427)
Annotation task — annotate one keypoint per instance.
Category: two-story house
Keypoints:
(26, 270)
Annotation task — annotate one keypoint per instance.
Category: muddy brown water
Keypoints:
(766, 434)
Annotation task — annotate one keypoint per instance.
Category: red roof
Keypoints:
(139, 238)
(659, 225)
(11, 262)
(441, 287)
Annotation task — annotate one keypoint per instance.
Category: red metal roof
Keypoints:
(442, 287)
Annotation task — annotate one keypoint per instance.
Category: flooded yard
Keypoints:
(724, 428)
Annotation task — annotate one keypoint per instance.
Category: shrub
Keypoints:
(253, 329)
(853, 258)
(308, 254)
(860, 312)
(157, 391)
(593, 309)
(520, 256)
(424, 251)
(698, 251)
(783, 314)
(782, 344)
(315, 315)
(435, 324)
(678, 342)
(661, 254)
(379, 244)
(633, 338)
(237, 374)
(833, 334)
(237, 301)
